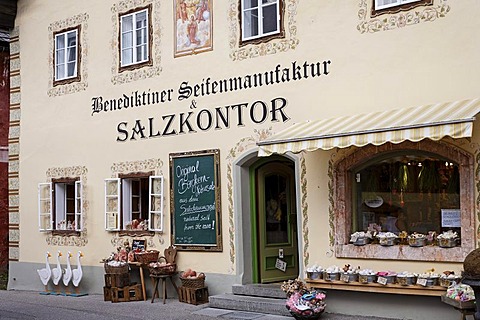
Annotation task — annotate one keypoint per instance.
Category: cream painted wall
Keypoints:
(419, 64)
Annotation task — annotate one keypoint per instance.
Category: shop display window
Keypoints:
(394, 6)
(260, 19)
(415, 192)
(135, 38)
(60, 205)
(66, 55)
(134, 203)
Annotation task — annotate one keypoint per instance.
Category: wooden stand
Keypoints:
(140, 267)
(156, 279)
(193, 295)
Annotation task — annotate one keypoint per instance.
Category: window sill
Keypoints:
(136, 233)
(377, 288)
(404, 252)
(65, 233)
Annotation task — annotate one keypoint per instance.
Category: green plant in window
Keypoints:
(428, 178)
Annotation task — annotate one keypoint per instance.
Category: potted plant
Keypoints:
(302, 302)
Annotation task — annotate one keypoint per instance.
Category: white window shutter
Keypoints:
(126, 201)
(45, 216)
(112, 204)
(78, 206)
(155, 203)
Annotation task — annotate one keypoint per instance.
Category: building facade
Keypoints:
(255, 137)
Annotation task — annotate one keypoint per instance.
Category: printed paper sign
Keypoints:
(281, 265)
(451, 218)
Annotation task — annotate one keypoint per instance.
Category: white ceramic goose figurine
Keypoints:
(67, 276)
(77, 273)
(57, 272)
(45, 273)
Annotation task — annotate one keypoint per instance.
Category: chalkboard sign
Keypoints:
(195, 200)
(139, 244)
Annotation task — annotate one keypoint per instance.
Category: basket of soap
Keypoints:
(417, 240)
(360, 238)
(314, 272)
(116, 267)
(387, 238)
(449, 278)
(349, 274)
(366, 276)
(448, 239)
(332, 273)
(428, 279)
(406, 278)
(386, 277)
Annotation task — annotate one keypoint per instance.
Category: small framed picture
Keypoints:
(139, 244)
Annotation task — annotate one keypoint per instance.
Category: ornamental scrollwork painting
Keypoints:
(399, 20)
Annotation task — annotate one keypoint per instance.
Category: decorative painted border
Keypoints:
(71, 172)
(241, 146)
(143, 72)
(477, 186)
(272, 47)
(125, 167)
(399, 20)
(60, 90)
(13, 149)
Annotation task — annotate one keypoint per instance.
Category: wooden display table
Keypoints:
(377, 287)
(156, 279)
(140, 267)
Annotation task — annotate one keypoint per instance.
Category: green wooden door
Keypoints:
(275, 222)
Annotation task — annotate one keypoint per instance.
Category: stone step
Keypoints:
(249, 303)
(259, 290)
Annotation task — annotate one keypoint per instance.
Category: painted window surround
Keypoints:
(343, 207)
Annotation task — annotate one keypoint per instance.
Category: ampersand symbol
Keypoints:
(193, 105)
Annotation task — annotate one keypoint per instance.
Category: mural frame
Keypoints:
(203, 23)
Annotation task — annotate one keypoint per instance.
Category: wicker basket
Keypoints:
(161, 270)
(162, 267)
(145, 257)
(195, 283)
(116, 269)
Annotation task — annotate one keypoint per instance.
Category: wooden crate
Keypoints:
(125, 294)
(193, 295)
(118, 280)
(107, 294)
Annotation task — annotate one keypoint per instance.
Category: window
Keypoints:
(394, 6)
(60, 205)
(407, 191)
(436, 195)
(134, 203)
(135, 38)
(260, 18)
(66, 54)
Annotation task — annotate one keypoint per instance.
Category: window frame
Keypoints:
(56, 206)
(403, 5)
(261, 37)
(135, 64)
(342, 203)
(123, 197)
(76, 77)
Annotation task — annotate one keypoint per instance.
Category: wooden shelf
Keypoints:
(436, 291)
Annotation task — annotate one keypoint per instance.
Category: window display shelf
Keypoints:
(377, 288)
